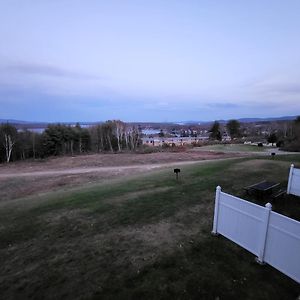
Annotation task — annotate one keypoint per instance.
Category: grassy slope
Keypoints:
(143, 238)
(233, 148)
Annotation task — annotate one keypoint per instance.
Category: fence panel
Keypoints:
(274, 238)
(283, 245)
(240, 221)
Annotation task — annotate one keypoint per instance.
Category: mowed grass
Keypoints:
(146, 237)
(233, 148)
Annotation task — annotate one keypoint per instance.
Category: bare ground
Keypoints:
(108, 160)
(25, 178)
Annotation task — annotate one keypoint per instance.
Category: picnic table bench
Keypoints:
(278, 194)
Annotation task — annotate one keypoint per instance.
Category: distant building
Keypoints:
(177, 141)
(226, 137)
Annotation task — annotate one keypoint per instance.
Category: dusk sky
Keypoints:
(152, 60)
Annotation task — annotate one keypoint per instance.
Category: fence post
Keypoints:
(215, 225)
(290, 179)
(261, 254)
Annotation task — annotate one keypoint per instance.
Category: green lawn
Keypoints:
(233, 148)
(146, 237)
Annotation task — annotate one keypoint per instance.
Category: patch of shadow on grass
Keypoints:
(136, 195)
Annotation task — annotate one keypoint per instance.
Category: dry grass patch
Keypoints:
(258, 165)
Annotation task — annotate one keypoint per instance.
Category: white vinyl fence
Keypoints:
(274, 238)
(294, 181)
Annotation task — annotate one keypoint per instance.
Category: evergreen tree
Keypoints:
(215, 133)
(233, 127)
(272, 138)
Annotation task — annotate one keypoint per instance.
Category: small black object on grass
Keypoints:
(273, 154)
(176, 171)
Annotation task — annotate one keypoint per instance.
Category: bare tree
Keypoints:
(8, 136)
(120, 129)
(108, 133)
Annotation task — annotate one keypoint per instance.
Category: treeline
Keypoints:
(60, 139)
(285, 137)
(232, 128)
(292, 140)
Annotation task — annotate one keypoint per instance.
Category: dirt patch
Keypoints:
(107, 160)
(23, 179)
(16, 187)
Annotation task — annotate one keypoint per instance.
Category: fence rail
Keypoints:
(273, 238)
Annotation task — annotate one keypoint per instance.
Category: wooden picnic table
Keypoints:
(263, 188)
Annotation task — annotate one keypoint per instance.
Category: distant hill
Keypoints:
(11, 121)
(41, 124)
(249, 120)
(34, 124)
(244, 120)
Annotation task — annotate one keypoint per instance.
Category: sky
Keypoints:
(161, 61)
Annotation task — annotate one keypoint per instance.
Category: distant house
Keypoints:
(177, 141)
(226, 137)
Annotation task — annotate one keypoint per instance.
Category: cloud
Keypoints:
(53, 80)
(290, 88)
(223, 105)
(280, 85)
(49, 70)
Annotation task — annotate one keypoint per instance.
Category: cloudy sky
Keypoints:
(69, 60)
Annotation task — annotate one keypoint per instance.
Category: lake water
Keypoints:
(150, 131)
(144, 131)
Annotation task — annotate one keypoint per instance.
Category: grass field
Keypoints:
(232, 148)
(145, 237)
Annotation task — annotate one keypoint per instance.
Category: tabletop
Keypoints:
(265, 186)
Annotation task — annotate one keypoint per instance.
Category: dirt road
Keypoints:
(100, 169)
(21, 179)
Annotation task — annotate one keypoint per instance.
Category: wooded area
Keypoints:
(114, 136)
(60, 139)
